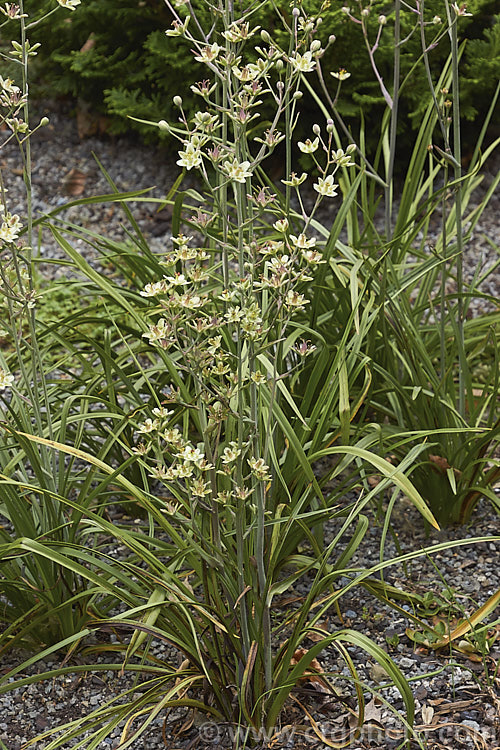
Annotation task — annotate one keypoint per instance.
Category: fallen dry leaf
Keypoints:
(316, 637)
(89, 122)
(427, 714)
(373, 712)
(313, 676)
(439, 461)
(74, 182)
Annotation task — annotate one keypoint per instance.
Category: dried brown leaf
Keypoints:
(73, 182)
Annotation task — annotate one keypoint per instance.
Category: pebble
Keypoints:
(406, 662)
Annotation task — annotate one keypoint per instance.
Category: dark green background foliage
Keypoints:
(132, 68)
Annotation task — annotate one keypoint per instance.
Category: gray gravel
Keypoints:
(457, 707)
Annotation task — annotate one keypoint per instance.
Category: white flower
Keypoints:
(230, 453)
(69, 4)
(10, 228)
(189, 301)
(312, 257)
(178, 280)
(159, 472)
(295, 181)
(239, 31)
(208, 54)
(6, 379)
(174, 437)
(246, 74)
(199, 488)
(342, 75)
(182, 240)
(190, 453)
(228, 296)
(281, 225)
(258, 377)
(8, 85)
(152, 290)
(309, 147)
(234, 314)
(149, 425)
(179, 28)
(303, 63)
(460, 10)
(159, 332)
(326, 186)
(295, 300)
(237, 171)
(302, 242)
(259, 469)
(306, 25)
(214, 344)
(12, 11)
(190, 157)
(204, 120)
(161, 412)
(342, 158)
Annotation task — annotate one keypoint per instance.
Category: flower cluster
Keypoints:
(6, 379)
(10, 227)
(222, 311)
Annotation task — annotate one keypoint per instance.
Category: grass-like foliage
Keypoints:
(201, 388)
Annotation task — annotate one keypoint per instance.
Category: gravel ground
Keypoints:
(456, 693)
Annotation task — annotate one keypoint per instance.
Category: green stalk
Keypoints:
(394, 121)
(36, 361)
(462, 359)
(222, 183)
(288, 123)
(444, 275)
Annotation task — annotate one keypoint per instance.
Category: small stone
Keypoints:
(351, 614)
(421, 692)
(406, 663)
(472, 725)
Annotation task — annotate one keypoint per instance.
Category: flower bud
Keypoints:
(163, 125)
(316, 129)
(265, 36)
(315, 45)
(365, 12)
(318, 21)
(279, 65)
(298, 95)
(296, 12)
(329, 126)
(178, 101)
(332, 38)
(351, 148)
(44, 121)
(382, 20)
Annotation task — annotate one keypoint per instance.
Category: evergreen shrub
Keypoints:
(114, 56)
